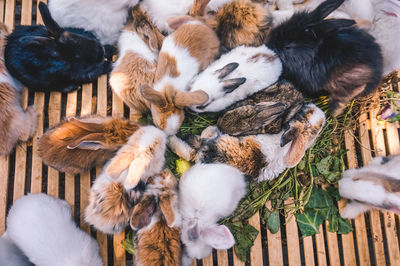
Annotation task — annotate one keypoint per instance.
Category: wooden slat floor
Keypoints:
(375, 240)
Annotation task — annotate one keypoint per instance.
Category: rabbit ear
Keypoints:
(297, 148)
(218, 237)
(93, 141)
(230, 85)
(52, 26)
(151, 37)
(226, 70)
(153, 96)
(198, 7)
(168, 202)
(34, 40)
(143, 211)
(324, 9)
(88, 126)
(183, 98)
(176, 22)
(118, 164)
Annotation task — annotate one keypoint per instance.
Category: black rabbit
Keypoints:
(330, 55)
(50, 58)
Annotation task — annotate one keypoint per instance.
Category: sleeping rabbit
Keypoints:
(77, 145)
(47, 58)
(15, 123)
(42, 227)
(208, 193)
(376, 185)
(329, 55)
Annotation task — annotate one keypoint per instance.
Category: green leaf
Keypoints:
(333, 192)
(309, 222)
(302, 165)
(333, 222)
(273, 222)
(324, 165)
(344, 226)
(244, 237)
(319, 199)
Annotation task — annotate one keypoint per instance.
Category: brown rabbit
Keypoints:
(265, 112)
(139, 44)
(15, 123)
(77, 145)
(157, 220)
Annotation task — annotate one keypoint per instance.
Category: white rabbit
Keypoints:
(115, 191)
(42, 227)
(161, 11)
(376, 185)
(10, 254)
(105, 18)
(207, 193)
(236, 75)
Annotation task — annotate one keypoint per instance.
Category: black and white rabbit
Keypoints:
(47, 58)
(330, 55)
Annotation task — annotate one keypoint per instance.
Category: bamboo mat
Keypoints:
(374, 241)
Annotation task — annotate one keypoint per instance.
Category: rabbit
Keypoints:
(10, 254)
(42, 227)
(156, 219)
(184, 53)
(139, 45)
(77, 145)
(236, 75)
(119, 186)
(208, 193)
(15, 123)
(48, 58)
(261, 157)
(161, 11)
(379, 178)
(242, 23)
(385, 29)
(105, 18)
(265, 112)
(327, 55)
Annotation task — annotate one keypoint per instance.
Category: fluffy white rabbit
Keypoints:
(105, 18)
(42, 227)
(207, 193)
(376, 185)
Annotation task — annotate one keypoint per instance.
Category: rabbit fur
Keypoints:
(10, 254)
(376, 185)
(42, 227)
(157, 219)
(184, 53)
(261, 157)
(122, 179)
(236, 75)
(77, 145)
(105, 18)
(265, 112)
(139, 45)
(327, 55)
(15, 123)
(208, 193)
(47, 58)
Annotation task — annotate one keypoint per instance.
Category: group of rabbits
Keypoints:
(235, 57)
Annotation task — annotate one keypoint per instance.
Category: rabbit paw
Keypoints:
(353, 209)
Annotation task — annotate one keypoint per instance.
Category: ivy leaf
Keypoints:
(324, 165)
(319, 199)
(244, 237)
(309, 222)
(344, 226)
(333, 192)
(273, 222)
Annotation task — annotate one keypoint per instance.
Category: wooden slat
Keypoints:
(9, 14)
(53, 177)
(374, 215)
(308, 251)
(237, 261)
(26, 12)
(320, 245)
(292, 238)
(208, 261)
(119, 252)
(102, 110)
(256, 256)
(2, 5)
(222, 256)
(274, 245)
(4, 161)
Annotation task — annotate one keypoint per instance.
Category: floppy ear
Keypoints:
(297, 147)
(230, 85)
(34, 40)
(153, 96)
(168, 206)
(88, 126)
(143, 211)
(198, 7)
(218, 237)
(93, 141)
(52, 26)
(118, 164)
(324, 9)
(176, 22)
(183, 98)
(151, 37)
(226, 70)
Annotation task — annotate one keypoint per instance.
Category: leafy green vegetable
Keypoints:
(309, 222)
(244, 237)
(273, 222)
